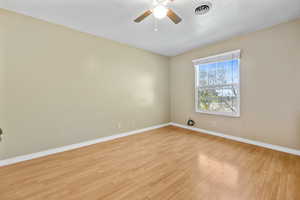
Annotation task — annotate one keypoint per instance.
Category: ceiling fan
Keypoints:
(160, 11)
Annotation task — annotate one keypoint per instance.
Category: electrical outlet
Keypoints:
(119, 125)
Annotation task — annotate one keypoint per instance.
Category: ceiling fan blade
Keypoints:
(173, 16)
(143, 16)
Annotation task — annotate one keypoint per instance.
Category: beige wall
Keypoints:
(270, 86)
(59, 86)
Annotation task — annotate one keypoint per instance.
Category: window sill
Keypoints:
(220, 114)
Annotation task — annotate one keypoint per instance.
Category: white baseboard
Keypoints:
(261, 144)
(17, 159)
(103, 139)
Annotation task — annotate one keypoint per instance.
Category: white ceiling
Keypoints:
(113, 19)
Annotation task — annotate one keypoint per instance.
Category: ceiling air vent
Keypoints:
(203, 8)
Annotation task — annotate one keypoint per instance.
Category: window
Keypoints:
(217, 84)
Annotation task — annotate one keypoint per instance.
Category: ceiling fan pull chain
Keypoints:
(155, 24)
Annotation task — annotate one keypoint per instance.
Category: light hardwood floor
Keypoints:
(167, 163)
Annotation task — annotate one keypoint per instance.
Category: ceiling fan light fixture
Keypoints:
(160, 12)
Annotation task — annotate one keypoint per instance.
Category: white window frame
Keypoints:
(232, 55)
